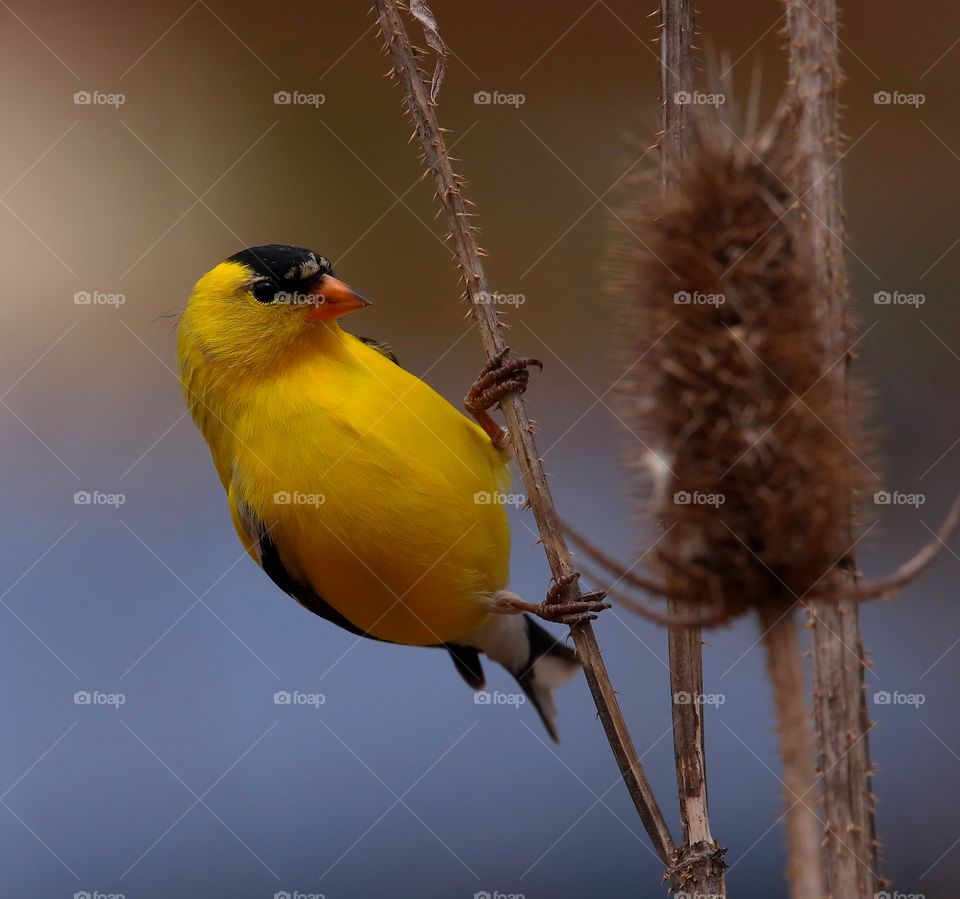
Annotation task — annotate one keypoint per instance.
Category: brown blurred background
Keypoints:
(141, 198)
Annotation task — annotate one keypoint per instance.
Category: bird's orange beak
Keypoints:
(332, 298)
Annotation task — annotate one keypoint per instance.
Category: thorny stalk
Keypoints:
(699, 866)
(448, 187)
(839, 659)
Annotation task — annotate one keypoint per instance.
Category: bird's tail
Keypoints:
(536, 658)
(551, 664)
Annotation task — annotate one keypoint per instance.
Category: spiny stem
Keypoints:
(839, 699)
(531, 468)
(702, 856)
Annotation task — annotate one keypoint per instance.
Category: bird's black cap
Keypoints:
(293, 265)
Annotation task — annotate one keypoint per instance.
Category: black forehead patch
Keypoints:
(283, 263)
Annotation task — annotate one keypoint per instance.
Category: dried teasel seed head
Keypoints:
(752, 459)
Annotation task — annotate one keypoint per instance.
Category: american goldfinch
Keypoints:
(358, 489)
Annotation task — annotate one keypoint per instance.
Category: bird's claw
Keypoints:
(499, 377)
(581, 608)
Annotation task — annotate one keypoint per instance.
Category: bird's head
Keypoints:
(262, 302)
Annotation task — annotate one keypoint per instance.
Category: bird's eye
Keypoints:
(265, 291)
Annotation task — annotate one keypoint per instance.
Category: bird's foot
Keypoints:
(500, 377)
(554, 608)
(583, 607)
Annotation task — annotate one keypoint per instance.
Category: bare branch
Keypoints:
(521, 433)
(700, 856)
(839, 689)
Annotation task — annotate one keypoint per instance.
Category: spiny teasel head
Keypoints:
(747, 442)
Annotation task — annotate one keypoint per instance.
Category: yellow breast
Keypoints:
(377, 492)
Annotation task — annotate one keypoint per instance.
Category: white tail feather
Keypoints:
(516, 641)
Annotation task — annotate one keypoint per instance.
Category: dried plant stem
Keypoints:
(910, 570)
(699, 867)
(902, 577)
(839, 659)
(448, 188)
(785, 669)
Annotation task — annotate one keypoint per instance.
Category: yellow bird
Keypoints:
(359, 490)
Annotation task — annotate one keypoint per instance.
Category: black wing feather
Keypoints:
(384, 349)
(303, 593)
(467, 662)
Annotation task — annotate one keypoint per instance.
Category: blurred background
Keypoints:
(189, 779)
